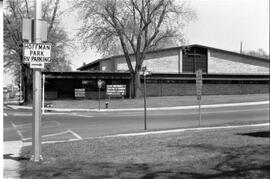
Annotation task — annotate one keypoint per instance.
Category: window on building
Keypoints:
(194, 58)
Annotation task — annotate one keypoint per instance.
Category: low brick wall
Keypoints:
(186, 89)
(51, 95)
(94, 94)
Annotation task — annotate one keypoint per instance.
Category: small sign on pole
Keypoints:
(99, 83)
(199, 91)
(28, 29)
(37, 65)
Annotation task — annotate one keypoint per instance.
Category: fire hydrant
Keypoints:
(106, 105)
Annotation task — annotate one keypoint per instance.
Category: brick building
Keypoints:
(173, 73)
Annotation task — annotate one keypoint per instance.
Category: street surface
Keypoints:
(82, 125)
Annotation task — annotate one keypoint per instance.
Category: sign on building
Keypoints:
(116, 90)
(79, 92)
(37, 52)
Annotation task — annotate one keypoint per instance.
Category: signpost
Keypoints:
(99, 86)
(199, 91)
(38, 53)
(145, 72)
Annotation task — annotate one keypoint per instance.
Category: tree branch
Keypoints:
(27, 9)
(53, 16)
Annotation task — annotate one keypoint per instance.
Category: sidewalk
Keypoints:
(11, 157)
(141, 109)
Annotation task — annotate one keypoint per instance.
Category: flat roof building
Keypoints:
(173, 73)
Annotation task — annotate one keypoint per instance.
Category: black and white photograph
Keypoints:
(135, 89)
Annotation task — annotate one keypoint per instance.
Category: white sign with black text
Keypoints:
(37, 65)
(37, 52)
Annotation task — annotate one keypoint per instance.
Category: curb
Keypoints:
(182, 130)
(149, 109)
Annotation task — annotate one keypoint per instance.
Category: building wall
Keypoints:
(156, 62)
(107, 65)
(189, 89)
(170, 61)
(226, 63)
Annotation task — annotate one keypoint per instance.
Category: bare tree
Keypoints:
(257, 53)
(14, 12)
(137, 25)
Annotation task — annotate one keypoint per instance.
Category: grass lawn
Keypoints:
(223, 153)
(164, 101)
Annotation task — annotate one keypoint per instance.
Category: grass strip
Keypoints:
(222, 153)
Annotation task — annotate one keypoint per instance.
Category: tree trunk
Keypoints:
(135, 85)
(132, 86)
(138, 92)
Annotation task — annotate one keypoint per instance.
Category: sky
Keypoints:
(220, 23)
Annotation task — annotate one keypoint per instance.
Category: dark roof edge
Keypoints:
(173, 48)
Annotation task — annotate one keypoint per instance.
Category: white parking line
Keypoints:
(18, 131)
(30, 124)
(50, 135)
(23, 125)
(57, 113)
(81, 115)
(75, 134)
(55, 134)
(70, 114)
(21, 114)
(58, 123)
(68, 130)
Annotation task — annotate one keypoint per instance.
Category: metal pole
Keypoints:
(99, 99)
(144, 101)
(200, 115)
(36, 135)
(43, 93)
(20, 84)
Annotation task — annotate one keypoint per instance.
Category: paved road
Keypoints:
(65, 126)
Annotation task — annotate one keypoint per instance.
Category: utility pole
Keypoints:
(36, 134)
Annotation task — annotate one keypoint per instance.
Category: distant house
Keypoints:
(173, 73)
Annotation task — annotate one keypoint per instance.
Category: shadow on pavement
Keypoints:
(258, 134)
(8, 156)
